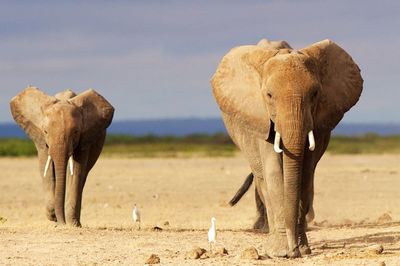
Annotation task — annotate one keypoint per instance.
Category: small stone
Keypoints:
(375, 249)
(384, 218)
(195, 253)
(166, 223)
(156, 228)
(222, 251)
(250, 254)
(382, 263)
(152, 259)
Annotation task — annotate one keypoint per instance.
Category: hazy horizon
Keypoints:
(186, 126)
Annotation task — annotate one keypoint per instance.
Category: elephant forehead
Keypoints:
(62, 110)
(290, 71)
(289, 61)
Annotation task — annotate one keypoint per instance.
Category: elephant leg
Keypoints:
(48, 182)
(84, 160)
(304, 204)
(261, 196)
(249, 145)
(273, 175)
(262, 217)
(74, 191)
(306, 210)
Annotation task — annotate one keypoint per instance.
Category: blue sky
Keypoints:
(154, 59)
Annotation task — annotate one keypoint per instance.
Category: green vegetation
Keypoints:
(368, 143)
(3, 219)
(17, 147)
(218, 144)
(203, 145)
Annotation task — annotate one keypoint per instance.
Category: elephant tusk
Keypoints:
(311, 140)
(47, 165)
(277, 142)
(71, 165)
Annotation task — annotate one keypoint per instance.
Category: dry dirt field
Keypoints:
(357, 205)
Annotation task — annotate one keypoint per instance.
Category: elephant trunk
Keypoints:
(63, 162)
(292, 172)
(60, 163)
(295, 130)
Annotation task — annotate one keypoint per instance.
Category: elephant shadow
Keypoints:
(386, 239)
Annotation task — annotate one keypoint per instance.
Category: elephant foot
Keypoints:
(51, 215)
(277, 245)
(74, 222)
(261, 225)
(61, 224)
(305, 250)
(303, 243)
(294, 253)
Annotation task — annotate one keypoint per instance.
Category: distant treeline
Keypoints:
(218, 144)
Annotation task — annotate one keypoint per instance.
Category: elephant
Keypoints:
(261, 222)
(68, 131)
(279, 107)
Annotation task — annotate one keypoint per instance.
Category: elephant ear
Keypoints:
(26, 111)
(97, 115)
(340, 79)
(65, 95)
(237, 87)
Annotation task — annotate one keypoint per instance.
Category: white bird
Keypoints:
(212, 234)
(136, 215)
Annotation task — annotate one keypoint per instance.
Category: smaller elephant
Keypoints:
(69, 132)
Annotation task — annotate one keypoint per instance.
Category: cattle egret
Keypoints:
(211, 234)
(136, 215)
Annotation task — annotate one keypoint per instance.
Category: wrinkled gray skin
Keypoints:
(65, 127)
(262, 92)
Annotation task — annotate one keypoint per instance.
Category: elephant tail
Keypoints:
(242, 190)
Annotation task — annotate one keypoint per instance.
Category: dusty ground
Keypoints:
(357, 205)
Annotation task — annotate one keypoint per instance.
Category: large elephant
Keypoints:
(67, 129)
(272, 102)
(261, 222)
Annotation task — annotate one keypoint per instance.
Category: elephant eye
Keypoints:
(314, 95)
(45, 132)
(269, 95)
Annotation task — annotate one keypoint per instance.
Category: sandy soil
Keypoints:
(357, 205)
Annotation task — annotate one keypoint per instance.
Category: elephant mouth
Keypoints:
(274, 137)
(271, 133)
(70, 163)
